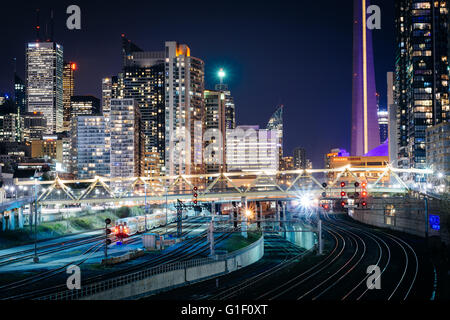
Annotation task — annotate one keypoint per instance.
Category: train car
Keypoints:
(126, 227)
(141, 224)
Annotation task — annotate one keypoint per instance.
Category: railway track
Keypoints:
(191, 248)
(342, 274)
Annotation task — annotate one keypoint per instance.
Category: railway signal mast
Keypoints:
(364, 194)
(343, 194)
(107, 233)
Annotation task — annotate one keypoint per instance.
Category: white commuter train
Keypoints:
(126, 227)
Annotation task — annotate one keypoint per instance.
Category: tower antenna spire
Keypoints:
(38, 27)
(52, 25)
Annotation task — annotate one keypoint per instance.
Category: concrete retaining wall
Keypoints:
(176, 278)
(409, 215)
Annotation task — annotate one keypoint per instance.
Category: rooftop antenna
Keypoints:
(52, 24)
(38, 27)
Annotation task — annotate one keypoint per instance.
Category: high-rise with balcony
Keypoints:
(44, 78)
(421, 75)
(143, 81)
(126, 139)
(184, 110)
(90, 147)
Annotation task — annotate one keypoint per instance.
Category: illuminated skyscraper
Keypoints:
(143, 81)
(44, 73)
(111, 89)
(276, 123)
(84, 105)
(90, 147)
(126, 139)
(300, 158)
(365, 133)
(20, 94)
(249, 148)
(185, 110)
(68, 91)
(230, 112)
(421, 75)
(215, 134)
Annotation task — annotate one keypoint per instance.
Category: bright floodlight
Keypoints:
(440, 175)
(221, 74)
(305, 201)
(248, 213)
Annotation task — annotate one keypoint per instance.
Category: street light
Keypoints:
(221, 75)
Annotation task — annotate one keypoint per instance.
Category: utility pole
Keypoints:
(319, 224)
(426, 218)
(166, 209)
(211, 236)
(145, 206)
(35, 258)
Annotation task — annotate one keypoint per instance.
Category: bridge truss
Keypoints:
(222, 186)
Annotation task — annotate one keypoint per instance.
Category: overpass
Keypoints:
(224, 187)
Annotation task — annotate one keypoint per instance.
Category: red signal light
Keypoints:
(364, 194)
(343, 194)
(195, 188)
(364, 185)
(343, 204)
(326, 207)
(342, 184)
(364, 204)
(195, 195)
(195, 201)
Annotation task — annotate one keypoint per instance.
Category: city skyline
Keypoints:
(225, 152)
(242, 66)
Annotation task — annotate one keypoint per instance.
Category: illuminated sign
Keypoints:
(435, 222)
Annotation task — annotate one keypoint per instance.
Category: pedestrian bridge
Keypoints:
(223, 187)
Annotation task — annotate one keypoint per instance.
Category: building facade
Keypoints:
(20, 94)
(249, 148)
(34, 126)
(44, 73)
(84, 105)
(215, 131)
(230, 112)
(421, 75)
(392, 121)
(184, 110)
(276, 124)
(127, 149)
(68, 92)
(143, 81)
(438, 149)
(299, 158)
(91, 147)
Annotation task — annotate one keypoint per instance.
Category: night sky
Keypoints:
(296, 53)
